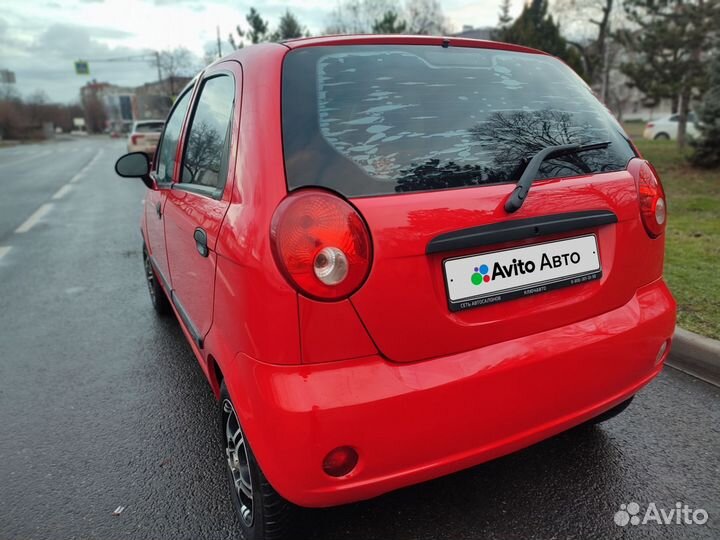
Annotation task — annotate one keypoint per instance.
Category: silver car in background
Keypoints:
(145, 136)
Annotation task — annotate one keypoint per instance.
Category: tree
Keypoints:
(591, 23)
(257, 33)
(175, 63)
(258, 26)
(504, 17)
(669, 43)
(288, 28)
(389, 24)
(95, 115)
(362, 17)
(706, 148)
(358, 16)
(425, 17)
(535, 28)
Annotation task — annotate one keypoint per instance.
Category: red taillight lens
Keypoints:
(340, 461)
(650, 125)
(653, 207)
(321, 244)
(135, 138)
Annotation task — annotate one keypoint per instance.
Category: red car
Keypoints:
(398, 257)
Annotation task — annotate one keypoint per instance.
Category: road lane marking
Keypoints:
(60, 193)
(34, 218)
(85, 168)
(77, 177)
(4, 251)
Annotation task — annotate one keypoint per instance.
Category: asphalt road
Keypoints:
(103, 405)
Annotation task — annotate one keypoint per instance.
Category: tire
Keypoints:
(662, 137)
(263, 514)
(612, 413)
(158, 298)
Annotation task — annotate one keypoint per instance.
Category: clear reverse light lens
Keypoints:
(330, 266)
(660, 211)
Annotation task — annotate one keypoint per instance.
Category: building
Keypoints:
(113, 108)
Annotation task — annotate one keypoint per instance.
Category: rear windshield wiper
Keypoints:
(517, 197)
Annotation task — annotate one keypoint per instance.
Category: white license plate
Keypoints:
(514, 273)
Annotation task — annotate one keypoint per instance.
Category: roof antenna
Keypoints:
(445, 43)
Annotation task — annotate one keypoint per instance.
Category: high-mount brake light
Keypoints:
(321, 244)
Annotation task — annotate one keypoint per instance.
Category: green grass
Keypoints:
(692, 260)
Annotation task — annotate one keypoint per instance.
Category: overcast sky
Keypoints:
(40, 39)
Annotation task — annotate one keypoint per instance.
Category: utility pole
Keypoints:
(157, 62)
(218, 42)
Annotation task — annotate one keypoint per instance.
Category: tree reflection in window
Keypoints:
(206, 149)
(510, 139)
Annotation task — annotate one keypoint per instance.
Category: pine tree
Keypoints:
(288, 28)
(258, 26)
(706, 148)
(389, 24)
(535, 28)
(504, 17)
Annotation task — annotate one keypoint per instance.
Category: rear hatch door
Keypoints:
(427, 143)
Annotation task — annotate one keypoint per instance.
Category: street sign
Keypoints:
(82, 67)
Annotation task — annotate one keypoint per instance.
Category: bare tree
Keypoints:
(591, 24)
(426, 17)
(176, 63)
(360, 16)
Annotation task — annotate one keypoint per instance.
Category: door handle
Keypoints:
(200, 237)
(158, 210)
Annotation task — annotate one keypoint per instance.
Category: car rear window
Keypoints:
(149, 127)
(380, 119)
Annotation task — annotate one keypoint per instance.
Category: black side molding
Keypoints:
(519, 229)
(197, 338)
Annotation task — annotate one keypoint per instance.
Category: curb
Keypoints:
(695, 355)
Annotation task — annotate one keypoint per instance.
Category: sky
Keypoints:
(41, 39)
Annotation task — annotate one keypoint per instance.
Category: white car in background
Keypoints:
(667, 127)
(145, 136)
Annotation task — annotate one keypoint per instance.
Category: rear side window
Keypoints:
(206, 151)
(374, 120)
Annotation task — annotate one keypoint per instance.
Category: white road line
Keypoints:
(60, 193)
(77, 177)
(34, 218)
(4, 251)
(84, 170)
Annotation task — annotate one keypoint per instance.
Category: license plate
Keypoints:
(514, 273)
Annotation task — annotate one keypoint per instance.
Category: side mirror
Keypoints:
(135, 165)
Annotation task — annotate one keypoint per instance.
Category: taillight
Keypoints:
(135, 138)
(653, 206)
(321, 244)
(650, 125)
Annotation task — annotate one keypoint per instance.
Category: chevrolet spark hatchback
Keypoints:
(397, 257)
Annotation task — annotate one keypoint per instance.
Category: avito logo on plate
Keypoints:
(481, 274)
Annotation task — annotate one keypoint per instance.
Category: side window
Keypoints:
(168, 144)
(208, 140)
(674, 118)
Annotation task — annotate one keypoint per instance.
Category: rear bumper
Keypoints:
(413, 422)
